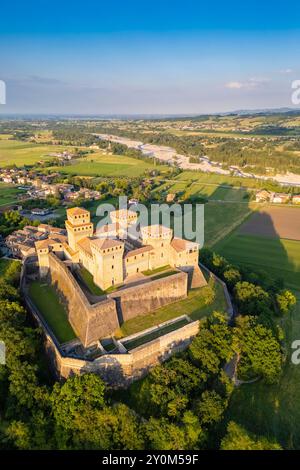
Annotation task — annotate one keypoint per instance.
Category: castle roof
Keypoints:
(77, 211)
(108, 228)
(156, 230)
(50, 228)
(123, 214)
(179, 244)
(138, 251)
(104, 243)
(50, 241)
(85, 244)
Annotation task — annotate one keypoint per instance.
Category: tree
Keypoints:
(18, 433)
(210, 407)
(167, 389)
(76, 396)
(213, 345)
(237, 438)
(163, 435)
(8, 291)
(285, 301)
(251, 299)
(127, 434)
(260, 351)
(231, 276)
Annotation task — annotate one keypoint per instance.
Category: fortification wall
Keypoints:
(120, 370)
(90, 322)
(144, 298)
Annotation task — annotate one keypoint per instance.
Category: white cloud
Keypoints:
(234, 85)
(286, 71)
(252, 83)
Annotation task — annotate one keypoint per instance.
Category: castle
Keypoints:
(121, 266)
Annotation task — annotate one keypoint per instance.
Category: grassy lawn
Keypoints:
(194, 306)
(164, 274)
(8, 193)
(150, 272)
(100, 164)
(273, 410)
(278, 257)
(155, 334)
(87, 278)
(46, 300)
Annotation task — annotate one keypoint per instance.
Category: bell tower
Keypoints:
(78, 225)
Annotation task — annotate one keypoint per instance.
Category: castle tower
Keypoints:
(78, 226)
(123, 219)
(108, 261)
(159, 237)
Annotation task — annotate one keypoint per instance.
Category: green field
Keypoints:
(220, 218)
(278, 257)
(220, 180)
(194, 306)
(25, 153)
(226, 207)
(100, 164)
(8, 194)
(46, 300)
(201, 188)
(273, 410)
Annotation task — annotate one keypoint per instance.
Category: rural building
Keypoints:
(170, 197)
(296, 199)
(280, 198)
(21, 243)
(263, 196)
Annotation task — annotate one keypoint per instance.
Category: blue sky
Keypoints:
(130, 57)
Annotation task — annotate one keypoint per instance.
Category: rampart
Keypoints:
(90, 321)
(118, 370)
(94, 321)
(144, 298)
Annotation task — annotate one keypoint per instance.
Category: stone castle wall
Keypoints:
(120, 370)
(147, 297)
(90, 322)
(94, 321)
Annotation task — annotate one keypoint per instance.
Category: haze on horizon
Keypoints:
(147, 58)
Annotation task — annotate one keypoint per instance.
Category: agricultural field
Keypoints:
(234, 182)
(101, 164)
(273, 410)
(274, 222)
(13, 152)
(227, 205)
(8, 193)
(278, 256)
(200, 188)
